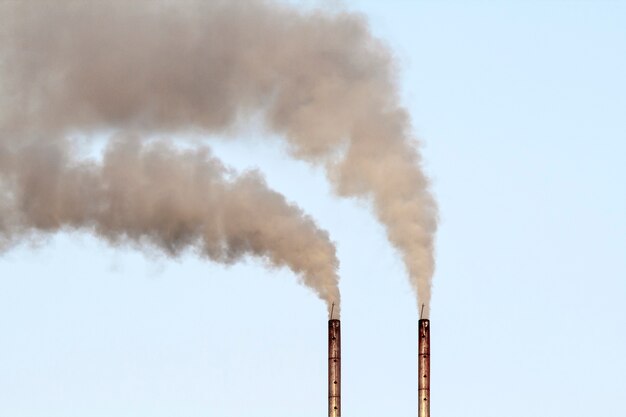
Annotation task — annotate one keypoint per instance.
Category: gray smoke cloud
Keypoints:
(154, 195)
(318, 79)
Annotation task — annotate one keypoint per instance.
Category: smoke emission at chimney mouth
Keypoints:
(319, 78)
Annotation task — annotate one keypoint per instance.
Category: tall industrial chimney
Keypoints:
(334, 368)
(424, 369)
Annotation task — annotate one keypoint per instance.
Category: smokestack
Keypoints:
(424, 369)
(334, 368)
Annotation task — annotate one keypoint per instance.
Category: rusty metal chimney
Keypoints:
(334, 368)
(423, 405)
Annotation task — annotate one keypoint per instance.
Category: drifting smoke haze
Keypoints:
(156, 195)
(319, 80)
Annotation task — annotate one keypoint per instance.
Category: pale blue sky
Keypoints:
(521, 107)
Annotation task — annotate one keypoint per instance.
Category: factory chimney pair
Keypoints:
(334, 368)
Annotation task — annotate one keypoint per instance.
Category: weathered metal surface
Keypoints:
(424, 369)
(334, 368)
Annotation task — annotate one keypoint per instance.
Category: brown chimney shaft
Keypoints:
(334, 368)
(423, 405)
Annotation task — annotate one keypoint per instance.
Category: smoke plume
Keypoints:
(319, 80)
(155, 195)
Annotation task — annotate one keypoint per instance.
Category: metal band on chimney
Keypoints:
(334, 368)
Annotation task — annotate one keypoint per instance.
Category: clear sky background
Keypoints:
(521, 107)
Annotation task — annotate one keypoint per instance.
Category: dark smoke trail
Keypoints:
(155, 195)
(318, 78)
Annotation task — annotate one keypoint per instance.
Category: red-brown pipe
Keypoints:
(423, 393)
(334, 368)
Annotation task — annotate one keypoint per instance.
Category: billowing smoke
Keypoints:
(155, 195)
(318, 79)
